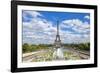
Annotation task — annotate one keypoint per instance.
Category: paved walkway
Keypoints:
(28, 57)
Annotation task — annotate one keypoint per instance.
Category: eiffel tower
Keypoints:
(57, 43)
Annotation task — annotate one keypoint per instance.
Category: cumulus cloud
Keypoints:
(28, 15)
(80, 31)
(38, 30)
(76, 25)
(41, 31)
(87, 17)
(74, 38)
(31, 13)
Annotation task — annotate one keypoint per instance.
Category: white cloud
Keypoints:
(32, 13)
(87, 17)
(74, 38)
(40, 30)
(76, 25)
(28, 15)
(72, 22)
(36, 25)
(81, 28)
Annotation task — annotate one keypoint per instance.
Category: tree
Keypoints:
(25, 47)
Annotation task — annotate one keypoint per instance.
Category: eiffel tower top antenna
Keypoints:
(57, 27)
(57, 24)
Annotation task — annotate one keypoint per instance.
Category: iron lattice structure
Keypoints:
(57, 43)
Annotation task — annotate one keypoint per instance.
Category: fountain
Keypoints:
(58, 50)
(58, 54)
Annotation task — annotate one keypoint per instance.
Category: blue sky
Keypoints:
(64, 15)
(40, 27)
